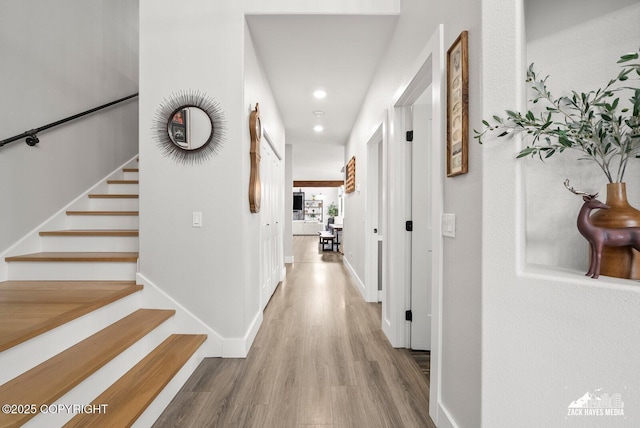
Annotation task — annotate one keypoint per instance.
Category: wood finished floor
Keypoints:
(320, 359)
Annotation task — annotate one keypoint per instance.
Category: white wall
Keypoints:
(548, 337)
(564, 53)
(216, 279)
(461, 345)
(59, 59)
(257, 89)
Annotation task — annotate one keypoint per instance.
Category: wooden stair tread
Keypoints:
(53, 378)
(30, 308)
(76, 257)
(128, 398)
(91, 232)
(114, 213)
(131, 169)
(123, 182)
(113, 196)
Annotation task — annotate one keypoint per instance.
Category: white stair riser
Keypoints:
(95, 384)
(22, 357)
(113, 204)
(102, 222)
(130, 176)
(72, 271)
(128, 189)
(89, 243)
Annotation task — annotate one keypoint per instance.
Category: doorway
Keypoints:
(271, 214)
(428, 71)
(419, 199)
(374, 220)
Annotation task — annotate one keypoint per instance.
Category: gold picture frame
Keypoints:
(458, 107)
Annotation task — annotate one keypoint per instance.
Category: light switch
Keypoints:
(197, 219)
(449, 225)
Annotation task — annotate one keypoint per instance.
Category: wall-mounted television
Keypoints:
(298, 201)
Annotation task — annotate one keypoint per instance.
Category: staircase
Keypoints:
(76, 347)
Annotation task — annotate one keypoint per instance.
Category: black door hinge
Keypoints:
(408, 315)
(409, 135)
(409, 226)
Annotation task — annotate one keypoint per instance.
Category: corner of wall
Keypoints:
(239, 347)
(184, 320)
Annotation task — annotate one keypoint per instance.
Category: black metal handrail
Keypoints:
(31, 137)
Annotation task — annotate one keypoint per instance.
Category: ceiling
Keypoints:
(336, 53)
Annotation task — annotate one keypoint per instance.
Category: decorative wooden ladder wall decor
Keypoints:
(72, 332)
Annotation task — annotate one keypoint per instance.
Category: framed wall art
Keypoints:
(458, 107)
(350, 182)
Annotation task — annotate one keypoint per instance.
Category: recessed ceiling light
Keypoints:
(318, 113)
(320, 93)
(318, 128)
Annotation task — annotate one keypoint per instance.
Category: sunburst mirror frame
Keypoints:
(173, 104)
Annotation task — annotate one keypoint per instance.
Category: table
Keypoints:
(337, 228)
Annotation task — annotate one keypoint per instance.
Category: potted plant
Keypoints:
(332, 211)
(601, 125)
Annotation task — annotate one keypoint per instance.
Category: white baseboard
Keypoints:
(356, 278)
(187, 322)
(444, 418)
(184, 320)
(239, 347)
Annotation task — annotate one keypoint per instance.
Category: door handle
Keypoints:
(375, 230)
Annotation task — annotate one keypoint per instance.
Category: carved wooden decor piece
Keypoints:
(350, 182)
(255, 130)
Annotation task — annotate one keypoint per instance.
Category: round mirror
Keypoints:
(190, 128)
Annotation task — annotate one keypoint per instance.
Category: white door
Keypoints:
(266, 234)
(421, 244)
(373, 219)
(275, 202)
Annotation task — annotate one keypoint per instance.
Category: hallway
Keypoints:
(319, 359)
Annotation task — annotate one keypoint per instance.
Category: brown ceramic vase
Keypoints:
(619, 262)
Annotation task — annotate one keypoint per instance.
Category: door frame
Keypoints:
(428, 69)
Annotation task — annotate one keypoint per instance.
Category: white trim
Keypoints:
(445, 419)
(239, 347)
(184, 320)
(273, 146)
(288, 259)
(359, 284)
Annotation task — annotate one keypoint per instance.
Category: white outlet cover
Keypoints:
(449, 225)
